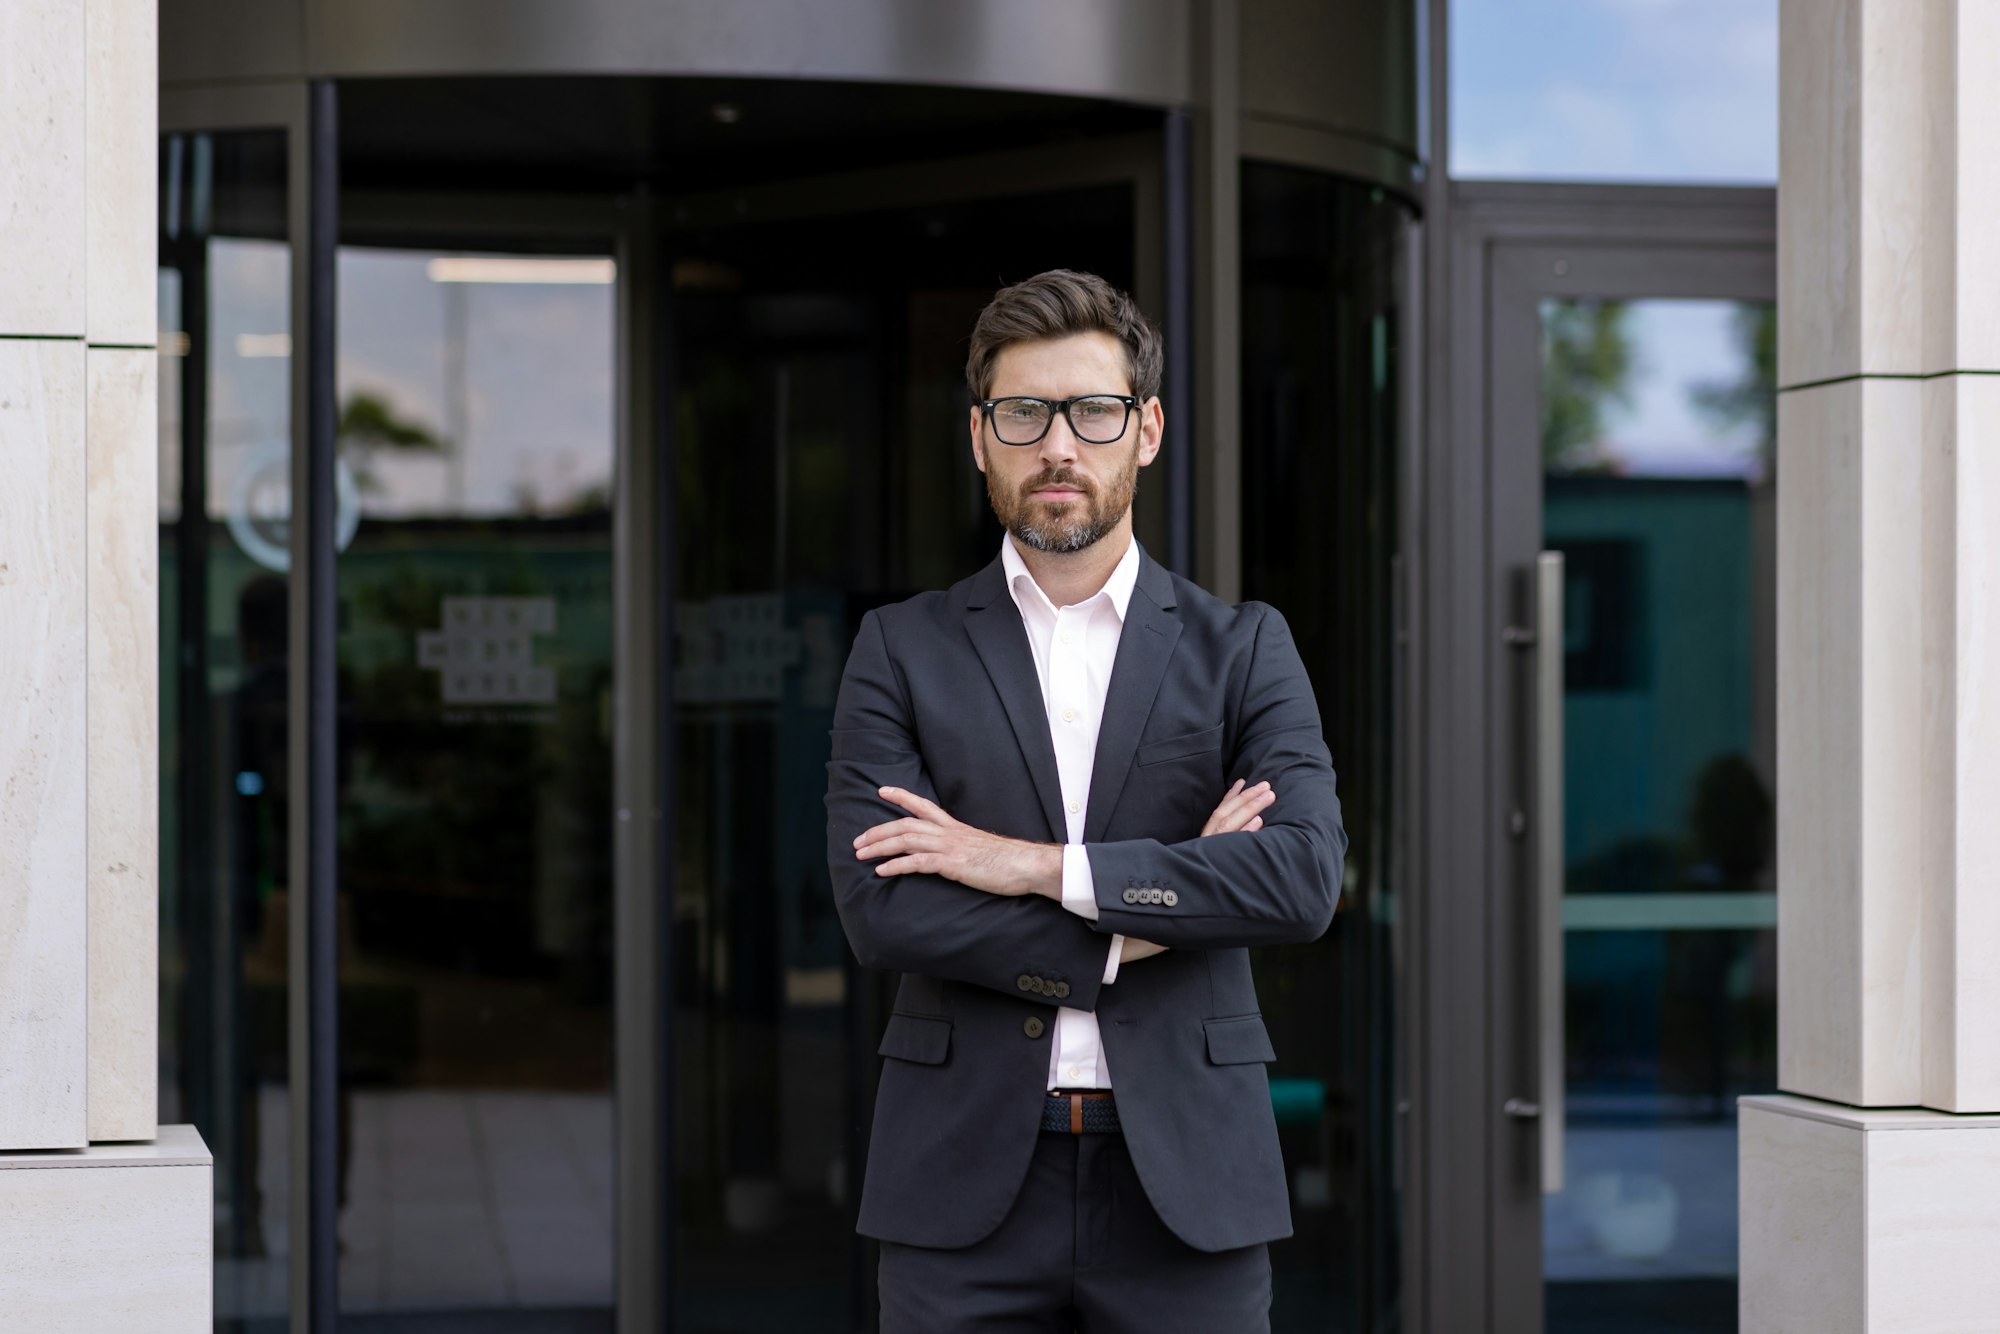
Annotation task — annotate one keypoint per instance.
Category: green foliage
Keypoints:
(368, 424)
(1753, 398)
(1586, 363)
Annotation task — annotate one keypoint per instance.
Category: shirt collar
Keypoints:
(1117, 589)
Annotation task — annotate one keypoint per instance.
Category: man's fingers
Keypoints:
(876, 834)
(914, 863)
(1220, 813)
(921, 807)
(1237, 807)
(923, 838)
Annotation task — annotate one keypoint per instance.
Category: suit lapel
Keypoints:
(1145, 646)
(994, 623)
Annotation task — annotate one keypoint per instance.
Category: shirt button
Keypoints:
(1074, 1074)
(1075, 806)
(1069, 715)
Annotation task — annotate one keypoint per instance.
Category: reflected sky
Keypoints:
(1615, 90)
(518, 369)
(1680, 348)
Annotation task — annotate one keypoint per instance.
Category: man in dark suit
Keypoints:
(1074, 1126)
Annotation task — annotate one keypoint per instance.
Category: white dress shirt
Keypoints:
(1074, 648)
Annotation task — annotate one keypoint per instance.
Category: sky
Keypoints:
(1615, 90)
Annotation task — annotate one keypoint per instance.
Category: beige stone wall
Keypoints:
(1888, 672)
(79, 642)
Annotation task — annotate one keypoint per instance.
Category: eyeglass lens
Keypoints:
(1097, 420)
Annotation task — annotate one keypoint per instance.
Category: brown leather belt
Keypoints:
(1080, 1111)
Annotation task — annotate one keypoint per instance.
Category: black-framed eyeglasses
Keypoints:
(1095, 419)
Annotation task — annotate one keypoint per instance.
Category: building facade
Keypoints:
(544, 391)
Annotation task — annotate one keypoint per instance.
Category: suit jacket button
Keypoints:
(1131, 896)
(1042, 986)
(1024, 982)
(1170, 898)
(1032, 1026)
(1158, 896)
(1062, 990)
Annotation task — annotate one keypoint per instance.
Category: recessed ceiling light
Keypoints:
(520, 269)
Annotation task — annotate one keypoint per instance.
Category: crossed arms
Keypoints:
(948, 900)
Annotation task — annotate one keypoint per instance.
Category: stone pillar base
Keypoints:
(1859, 1221)
(112, 1237)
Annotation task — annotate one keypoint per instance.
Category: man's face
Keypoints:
(1063, 494)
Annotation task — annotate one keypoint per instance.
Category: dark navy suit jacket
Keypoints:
(941, 697)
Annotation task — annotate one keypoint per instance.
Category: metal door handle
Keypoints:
(1548, 878)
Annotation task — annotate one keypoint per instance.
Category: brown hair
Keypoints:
(1057, 304)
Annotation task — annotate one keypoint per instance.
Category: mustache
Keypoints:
(1057, 477)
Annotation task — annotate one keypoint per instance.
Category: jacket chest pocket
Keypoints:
(1187, 746)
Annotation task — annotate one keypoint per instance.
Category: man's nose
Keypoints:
(1059, 446)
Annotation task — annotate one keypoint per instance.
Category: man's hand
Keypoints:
(930, 841)
(1240, 811)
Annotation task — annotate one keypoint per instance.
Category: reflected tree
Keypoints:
(1587, 361)
(369, 425)
(1752, 398)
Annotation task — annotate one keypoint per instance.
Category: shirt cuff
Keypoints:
(1079, 895)
(1079, 887)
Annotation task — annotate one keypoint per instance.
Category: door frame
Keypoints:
(1478, 1217)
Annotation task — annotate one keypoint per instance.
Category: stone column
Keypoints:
(79, 692)
(79, 648)
(1888, 678)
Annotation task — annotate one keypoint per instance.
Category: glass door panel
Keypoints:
(477, 443)
(1657, 449)
(1322, 333)
(225, 407)
(822, 469)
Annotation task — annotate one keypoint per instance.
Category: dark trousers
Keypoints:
(1081, 1250)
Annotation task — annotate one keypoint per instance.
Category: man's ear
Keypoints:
(1152, 429)
(978, 440)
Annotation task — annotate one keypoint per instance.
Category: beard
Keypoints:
(1070, 525)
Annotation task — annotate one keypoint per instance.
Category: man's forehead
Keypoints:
(1078, 363)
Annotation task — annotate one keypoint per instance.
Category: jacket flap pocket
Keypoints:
(1238, 1041)
(923, 1038)
(1176, 747)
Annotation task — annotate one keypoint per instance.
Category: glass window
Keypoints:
(1615, 90)
(1322, 326)
(1659, 490)
(225, 405)
(822, 469)
(477, 428)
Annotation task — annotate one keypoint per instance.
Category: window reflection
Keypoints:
(1322, 312)
(225, 284)
(1658, 435)
(476, 425)
(822, 468)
